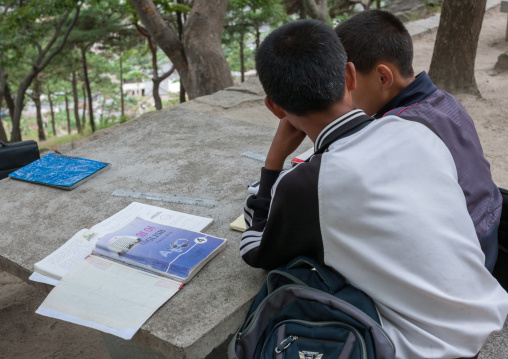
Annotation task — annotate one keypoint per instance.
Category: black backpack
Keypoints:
(309, 311)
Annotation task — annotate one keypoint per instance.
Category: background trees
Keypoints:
(68, 67)
(34, 25)
(198, 55)
(243, 23)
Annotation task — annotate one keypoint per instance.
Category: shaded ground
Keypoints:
(27, 335)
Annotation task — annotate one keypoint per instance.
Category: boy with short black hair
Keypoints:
(381, 49)
(373, 202)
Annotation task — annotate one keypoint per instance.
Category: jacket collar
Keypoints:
(420, 88)
(344, 125)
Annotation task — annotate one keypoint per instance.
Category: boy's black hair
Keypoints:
(302, 67)
(376, 35)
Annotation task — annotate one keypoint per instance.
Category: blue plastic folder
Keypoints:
(60, 171)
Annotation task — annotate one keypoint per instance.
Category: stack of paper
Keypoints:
(114, 297)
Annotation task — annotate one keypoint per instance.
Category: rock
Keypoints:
(502, 62)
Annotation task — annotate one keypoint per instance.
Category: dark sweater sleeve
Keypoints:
(283, 218)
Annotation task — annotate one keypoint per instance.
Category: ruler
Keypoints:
(261, 158)
(254, 156)
(165, 197)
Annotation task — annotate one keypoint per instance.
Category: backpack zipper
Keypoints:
(281, 347)
(356, 333)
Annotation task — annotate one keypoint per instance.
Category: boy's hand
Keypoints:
(286, 141)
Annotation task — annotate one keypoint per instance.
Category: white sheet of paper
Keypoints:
(108, 296)
(41, 278)
(153, 214)
(68, 256)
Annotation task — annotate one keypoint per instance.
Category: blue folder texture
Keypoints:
(60, 171)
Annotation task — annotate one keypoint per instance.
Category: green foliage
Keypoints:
(28, 22)
(242, 28)
(172, 7)
(232, 53)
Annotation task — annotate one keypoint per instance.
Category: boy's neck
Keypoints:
(312, 124)
(399, 84)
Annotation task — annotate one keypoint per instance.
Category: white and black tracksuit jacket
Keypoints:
(380, 202)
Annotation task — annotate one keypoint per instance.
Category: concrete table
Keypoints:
(176, 151)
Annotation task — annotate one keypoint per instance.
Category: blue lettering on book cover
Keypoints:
(163, 248)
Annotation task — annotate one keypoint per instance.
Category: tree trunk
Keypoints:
(53, 125)
(76, 101)
(36, 97)
(68, 114)
(258, 36)
(122, 103)
(102, 110)
(156, 79)
(19, 104)
(242, 58)
(453, 59)
(88, 89)
(8, 99)
(180, 34)
(200, 61)
(155, 72)
(209, 71)
(155, 93)
(83, 119)
(3, 134)
(182, 93)
(3, 82)
(316, 9)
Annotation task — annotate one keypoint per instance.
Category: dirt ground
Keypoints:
(23, 334)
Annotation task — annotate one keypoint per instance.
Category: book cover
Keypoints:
(60, 171)
(169, 251)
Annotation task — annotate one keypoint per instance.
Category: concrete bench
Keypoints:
(180, 151)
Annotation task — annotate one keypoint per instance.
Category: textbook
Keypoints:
(133, 270)
(172, 252)
(60, 171)
(56, 265)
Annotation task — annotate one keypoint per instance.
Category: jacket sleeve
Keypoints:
(283, 218)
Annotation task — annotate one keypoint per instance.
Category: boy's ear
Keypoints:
(274, 108)
(385, 75)
(350, 76)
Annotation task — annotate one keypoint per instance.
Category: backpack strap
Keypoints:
(308, 272)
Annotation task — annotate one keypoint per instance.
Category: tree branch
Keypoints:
(43, 53)
(38, 46)
(167, 74)
(62, 43)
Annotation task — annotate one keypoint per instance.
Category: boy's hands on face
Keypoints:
(286, 141)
